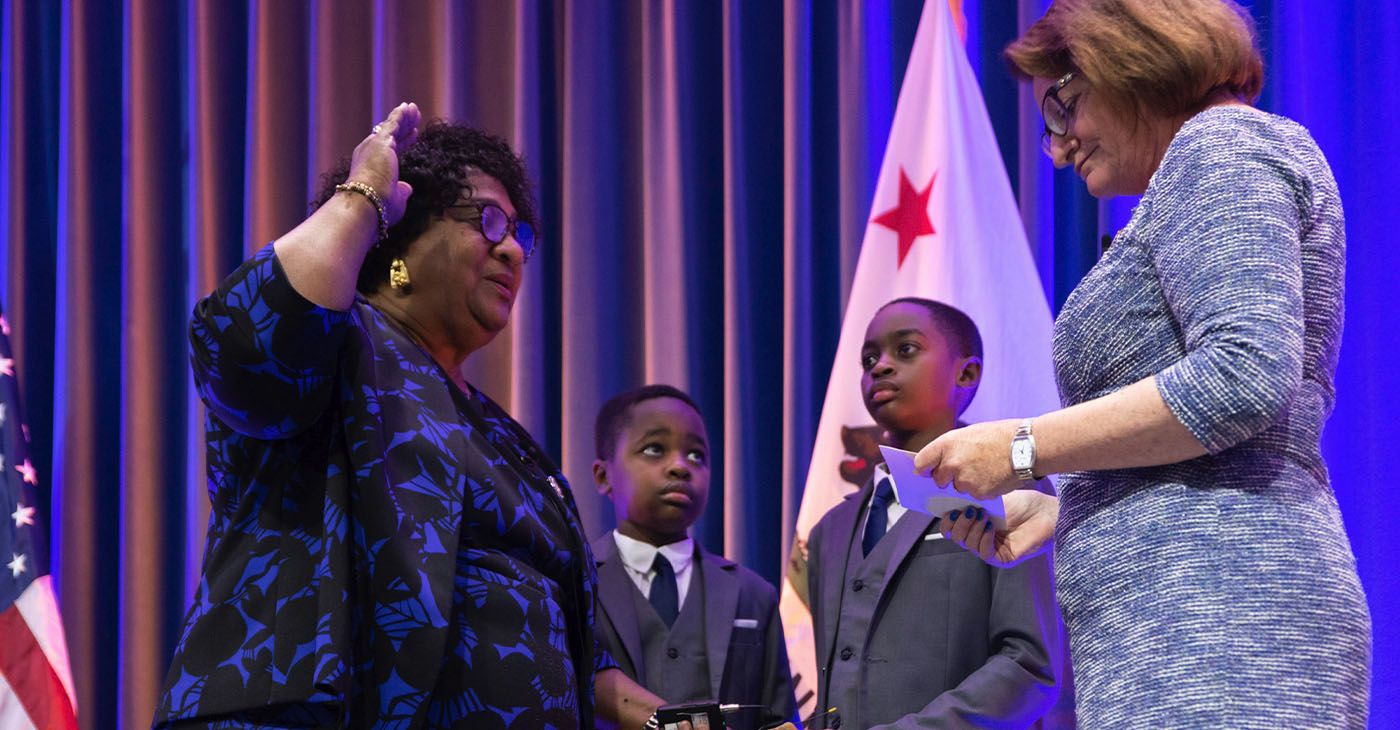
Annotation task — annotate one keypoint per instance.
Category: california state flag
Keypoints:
(943, 225)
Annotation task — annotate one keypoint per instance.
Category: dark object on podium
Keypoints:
(702, 716)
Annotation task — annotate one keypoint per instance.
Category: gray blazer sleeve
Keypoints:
(1020, 680)
(777, 694)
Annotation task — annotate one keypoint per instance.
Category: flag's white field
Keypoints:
(976, 259)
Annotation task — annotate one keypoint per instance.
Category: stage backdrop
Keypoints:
(705, 168)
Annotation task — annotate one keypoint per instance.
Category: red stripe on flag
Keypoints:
(33, 679)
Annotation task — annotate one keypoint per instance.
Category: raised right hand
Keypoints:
(375, 160)
(1030, 525)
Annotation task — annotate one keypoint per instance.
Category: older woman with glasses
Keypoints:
(386, 547)
(1202, 568)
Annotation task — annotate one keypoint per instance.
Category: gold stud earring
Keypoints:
(398, 274)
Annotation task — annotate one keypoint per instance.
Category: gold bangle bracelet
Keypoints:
(355, 186)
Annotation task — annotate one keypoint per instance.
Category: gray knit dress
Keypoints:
(1219, 592)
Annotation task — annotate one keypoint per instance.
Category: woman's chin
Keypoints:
(1098, 187)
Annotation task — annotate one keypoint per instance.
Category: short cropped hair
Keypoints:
(437, 166)
(957, 328)
(612, 417)
(1164, 57)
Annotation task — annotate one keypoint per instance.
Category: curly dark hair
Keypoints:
(437, 166)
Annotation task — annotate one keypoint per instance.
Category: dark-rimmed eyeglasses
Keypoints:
(1057, 114)
(494, 225)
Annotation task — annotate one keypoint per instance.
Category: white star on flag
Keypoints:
(23, 515)
(28, 471)
(17, 565)
(2, 414)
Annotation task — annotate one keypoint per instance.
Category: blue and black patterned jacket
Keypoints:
(384, 550)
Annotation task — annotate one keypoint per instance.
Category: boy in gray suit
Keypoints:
(912, 631)
(686, 624)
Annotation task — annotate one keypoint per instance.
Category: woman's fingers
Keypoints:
(375, 161)
(401, 125)
(946, 525)
(929, 457)
(1030, 526)
(963, 525)
(987, 543)
(971, 529)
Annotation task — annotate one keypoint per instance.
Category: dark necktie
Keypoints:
(878, 519)
(664, 597)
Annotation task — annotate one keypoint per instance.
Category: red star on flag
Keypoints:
(909, 219)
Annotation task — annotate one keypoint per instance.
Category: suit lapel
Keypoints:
(720, 591)
(837, 555)
(615, 593)
(905, 537)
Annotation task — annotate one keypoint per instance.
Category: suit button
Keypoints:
(835, 722)
(857, 585)
(846, 653)
(672, 652)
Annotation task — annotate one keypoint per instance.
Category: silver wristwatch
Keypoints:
(1023, 452)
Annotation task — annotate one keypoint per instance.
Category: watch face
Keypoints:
(1022, 453)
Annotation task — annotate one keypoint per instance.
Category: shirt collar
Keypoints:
(639, 555)
(881, 472)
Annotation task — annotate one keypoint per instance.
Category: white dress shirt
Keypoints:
(637, 557)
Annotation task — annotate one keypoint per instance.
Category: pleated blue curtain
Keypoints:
(705, 172)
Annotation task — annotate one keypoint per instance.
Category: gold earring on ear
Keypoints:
(398, 274)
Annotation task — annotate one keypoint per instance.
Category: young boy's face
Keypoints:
(659, 475)
(912, 380)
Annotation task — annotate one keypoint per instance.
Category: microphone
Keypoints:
(708, 714)
(1104, 242)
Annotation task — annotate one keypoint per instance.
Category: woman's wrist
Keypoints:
(364, 189)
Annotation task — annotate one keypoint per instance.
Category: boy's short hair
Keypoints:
(959, 329)
(612, 417)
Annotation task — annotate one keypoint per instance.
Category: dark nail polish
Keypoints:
(989, 525)
(953, 516)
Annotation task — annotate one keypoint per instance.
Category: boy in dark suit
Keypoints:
(686, 624)
(911, 630)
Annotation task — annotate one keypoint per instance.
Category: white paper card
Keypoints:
(922, 494)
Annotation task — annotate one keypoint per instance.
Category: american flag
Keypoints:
(36, 685)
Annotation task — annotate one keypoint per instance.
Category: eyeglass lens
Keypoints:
(1055, 112)
(494, 225)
